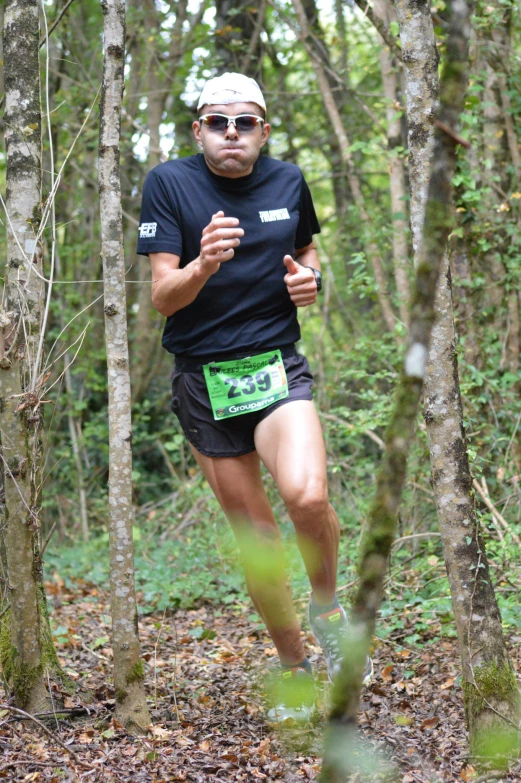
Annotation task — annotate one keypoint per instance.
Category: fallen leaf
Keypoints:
(429, 723)
(160, 732)
(403, 720)
(387, 672)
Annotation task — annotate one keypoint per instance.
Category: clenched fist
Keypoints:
(218, 241)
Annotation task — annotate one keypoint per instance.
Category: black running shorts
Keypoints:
(231, 437)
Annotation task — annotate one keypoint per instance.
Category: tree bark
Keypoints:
(382, 518)
(131, 708)
(490, 688)
(24, 661)
(477, 616)
(420, 66)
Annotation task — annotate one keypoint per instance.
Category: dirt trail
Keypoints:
(204, 680)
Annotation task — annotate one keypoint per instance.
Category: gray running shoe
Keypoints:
(293, 696)
(330, 630)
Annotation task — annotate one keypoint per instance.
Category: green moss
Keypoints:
(24, 678)
(7, 652)
(493, 739)
(121, 695)
(136, 674)
(493, 683)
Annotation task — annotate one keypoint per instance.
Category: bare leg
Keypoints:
(237, 485)
(291, 445)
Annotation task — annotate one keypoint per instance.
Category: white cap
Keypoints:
(231, 88)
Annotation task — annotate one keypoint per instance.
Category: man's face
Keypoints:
(231, 153)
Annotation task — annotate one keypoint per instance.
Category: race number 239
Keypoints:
(248, 384)
(245, 385)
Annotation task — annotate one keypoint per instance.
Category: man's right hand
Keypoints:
(219, 239)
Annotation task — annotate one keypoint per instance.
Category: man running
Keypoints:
(229, 234)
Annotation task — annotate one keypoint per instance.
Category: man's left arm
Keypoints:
(300, 280)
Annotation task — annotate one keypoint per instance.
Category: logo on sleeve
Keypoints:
(147, 230)
(274, 214)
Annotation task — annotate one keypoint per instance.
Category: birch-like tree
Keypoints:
(491, 695)
(131, 708)
(26, 647)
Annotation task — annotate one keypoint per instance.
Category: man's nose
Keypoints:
(231, 131)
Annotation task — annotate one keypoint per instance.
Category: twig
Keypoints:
(452, 133)
(44, 547)
(47, 731)
(56, 22)
(72, 711)
(415, 535)
(381, 27)
(495, 513)
(370, 434)
(512, 438)
(155, 656)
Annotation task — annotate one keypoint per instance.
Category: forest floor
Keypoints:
(204, 681)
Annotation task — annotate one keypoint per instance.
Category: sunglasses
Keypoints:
(220, 122)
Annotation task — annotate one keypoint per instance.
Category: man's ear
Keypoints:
(266, 130)
(196, 127)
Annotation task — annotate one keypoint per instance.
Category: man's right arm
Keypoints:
(174, 288)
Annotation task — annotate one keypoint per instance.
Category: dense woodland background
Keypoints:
(355, 355)
(354, 336)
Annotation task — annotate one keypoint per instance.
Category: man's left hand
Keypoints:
(300, 282)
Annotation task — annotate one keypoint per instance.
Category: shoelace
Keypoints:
(332, 640)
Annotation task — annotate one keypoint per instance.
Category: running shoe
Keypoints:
(330, 631)
(293, 696)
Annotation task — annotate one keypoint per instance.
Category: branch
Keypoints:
(28, 716)
(56, 22)
(381, 27)
(495, 513)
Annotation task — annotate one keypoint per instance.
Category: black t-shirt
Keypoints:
(245, 304)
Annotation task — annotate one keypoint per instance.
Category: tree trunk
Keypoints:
(478, 621)
(23, 657)
(382, 519)
(420, 65)
(489, 683)
(131, 708)
(398, 191)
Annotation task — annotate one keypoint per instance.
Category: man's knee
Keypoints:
(308, 504)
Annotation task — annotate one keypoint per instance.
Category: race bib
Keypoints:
(245, 385)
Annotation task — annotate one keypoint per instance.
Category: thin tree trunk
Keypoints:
(131, 708)
(489, 683)
(382, 519)
(420, 65)
(23, 659)
(354, 182)
(478, 621)
(398, 190)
